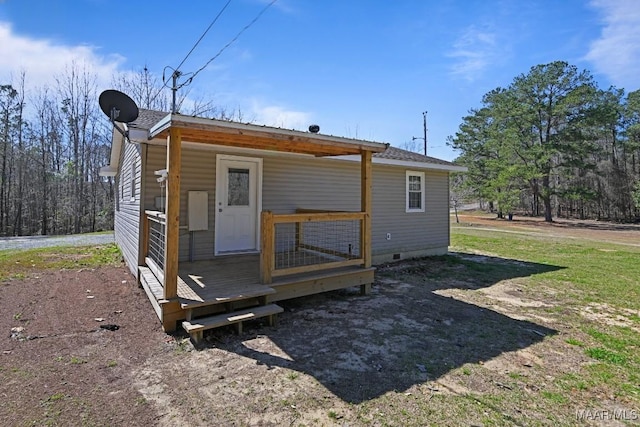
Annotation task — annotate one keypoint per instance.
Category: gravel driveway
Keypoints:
(32, 242)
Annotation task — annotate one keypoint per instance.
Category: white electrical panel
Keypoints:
(198, 210)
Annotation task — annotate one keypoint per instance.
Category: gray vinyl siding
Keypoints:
(127, 215)
(292, 182)
(304, 183)
(198, 173)
(410, 231)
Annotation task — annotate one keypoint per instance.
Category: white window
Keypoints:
(121, 185)
(415, 191)
(117, 192)
(132, 180)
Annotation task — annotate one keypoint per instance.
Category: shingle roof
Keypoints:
(394, 153)
(147, 118)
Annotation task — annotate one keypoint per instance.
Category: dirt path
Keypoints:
(628, 234)
(32, 242)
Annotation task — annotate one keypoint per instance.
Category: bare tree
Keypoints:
(8, 110)
(78, 91)
(20, 158)
(145, 88)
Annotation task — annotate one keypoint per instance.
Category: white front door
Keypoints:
(238, 201)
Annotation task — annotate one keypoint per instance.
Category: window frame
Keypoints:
(121, 186)
(421, 175)
(132, 182)
(117, 180)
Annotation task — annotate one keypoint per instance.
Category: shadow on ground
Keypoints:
(402, 334)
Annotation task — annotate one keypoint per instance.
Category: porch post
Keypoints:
(267, 247)
(172, 210)
(366, 183)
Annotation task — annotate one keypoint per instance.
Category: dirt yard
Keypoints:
(83, 347)
(583, 229)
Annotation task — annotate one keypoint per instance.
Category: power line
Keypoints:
(202, 36)
(246, 27)
(176, 70)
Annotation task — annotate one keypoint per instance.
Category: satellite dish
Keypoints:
(118, 106)
(314, 128)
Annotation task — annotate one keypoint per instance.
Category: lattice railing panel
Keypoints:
(310, 243)
(156, 241)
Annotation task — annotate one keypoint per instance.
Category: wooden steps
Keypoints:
(196, 327)
(152, 288)
(225, 295)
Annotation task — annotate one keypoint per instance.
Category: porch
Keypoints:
(229, 282)
(304, 253)
(291, 253)
(225, 280)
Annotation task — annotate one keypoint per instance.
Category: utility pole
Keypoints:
(174, 88)
(424, 127)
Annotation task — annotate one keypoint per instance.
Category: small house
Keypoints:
(220, 220)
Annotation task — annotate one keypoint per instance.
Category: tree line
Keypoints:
(52, 144)
(553, 143)
(53, 141)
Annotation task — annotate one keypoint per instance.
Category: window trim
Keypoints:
(411, 173)
(117, 192)
(132, 182)
(121, 186)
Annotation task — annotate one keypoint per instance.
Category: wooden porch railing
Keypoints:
(153, 230)
(310, 241)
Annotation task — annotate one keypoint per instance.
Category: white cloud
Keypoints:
(43, 59)
(616, 53)
(277, 116)
(473, 51)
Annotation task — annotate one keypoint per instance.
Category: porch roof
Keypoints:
(220, 132)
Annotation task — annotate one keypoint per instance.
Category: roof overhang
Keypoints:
(220, 132)
(116, 147)
(108, 171)
(409, 164)
(420, 165)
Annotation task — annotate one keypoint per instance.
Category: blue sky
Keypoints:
(358, 68)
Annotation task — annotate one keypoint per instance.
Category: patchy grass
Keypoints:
(450, 341)
(594, 293)
(17, 264)
(591, 271)
(495, 333)
(74, 360)
(606, 355)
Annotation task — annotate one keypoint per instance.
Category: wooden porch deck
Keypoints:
(227, 289)
(221, 280)
(227, 279)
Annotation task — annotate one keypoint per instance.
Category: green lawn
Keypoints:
(593, 271)
(17, 264)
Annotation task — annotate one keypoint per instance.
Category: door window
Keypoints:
(238, 187)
